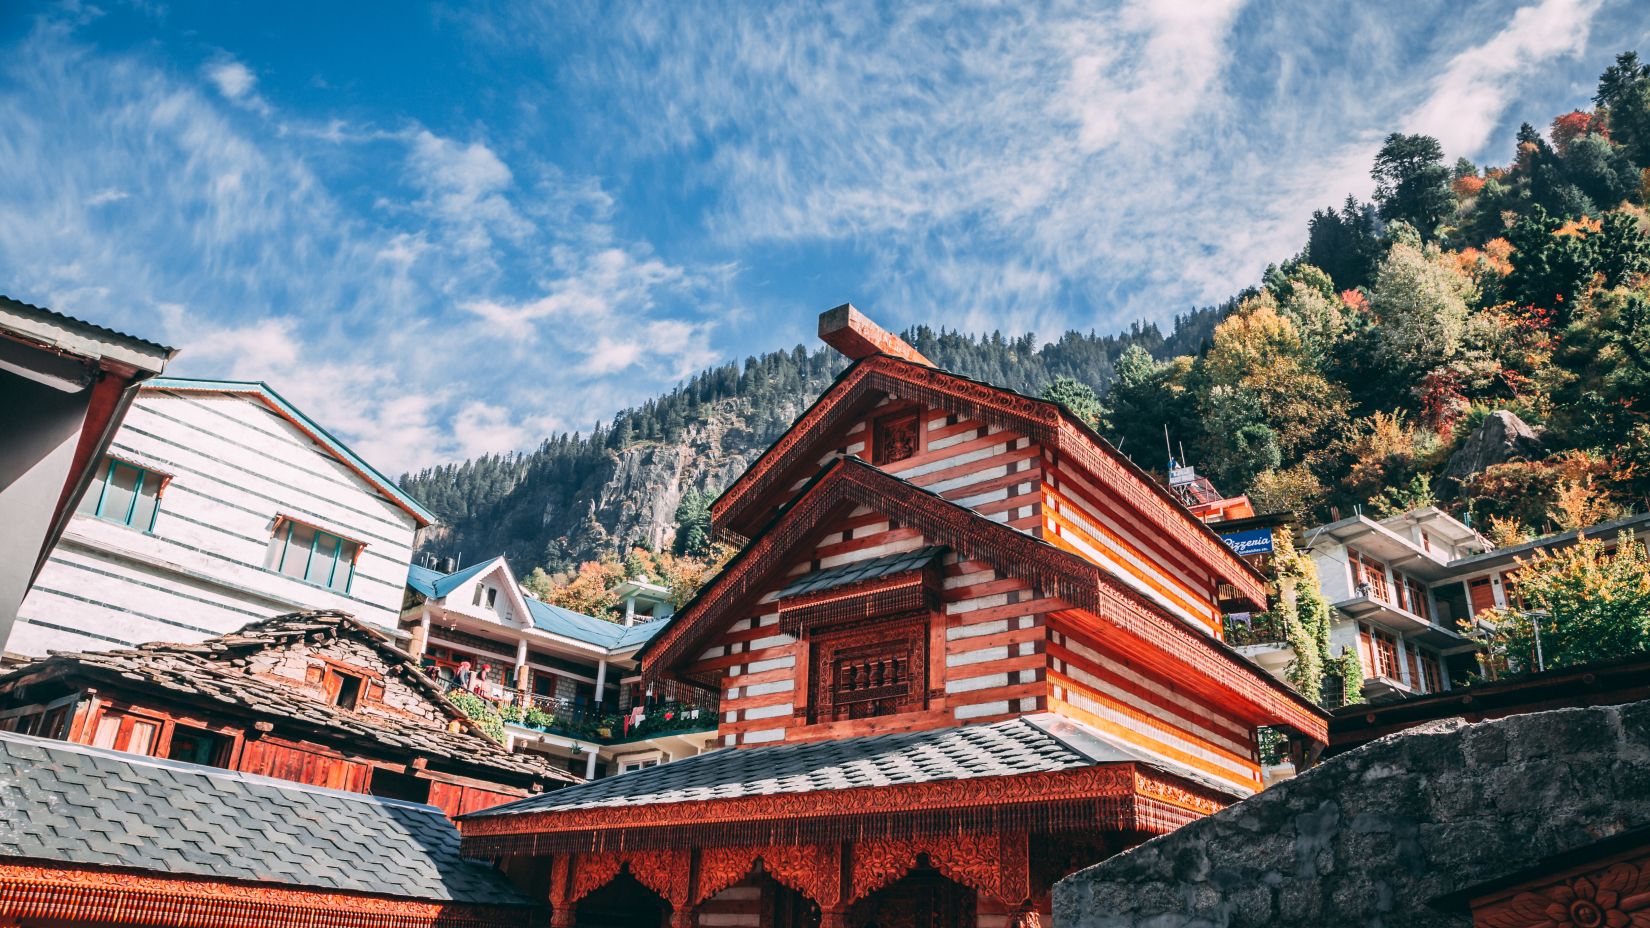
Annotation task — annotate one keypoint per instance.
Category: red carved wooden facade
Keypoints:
(925, 551)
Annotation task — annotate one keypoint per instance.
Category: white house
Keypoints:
(217, 504)
(1403, 592)
(568, 683)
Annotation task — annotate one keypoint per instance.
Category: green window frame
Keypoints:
(125, 494)
(313, 555)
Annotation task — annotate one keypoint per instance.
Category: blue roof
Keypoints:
(435, 584)
(599, 632)
(554, 620)
(305, 424)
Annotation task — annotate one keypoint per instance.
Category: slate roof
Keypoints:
(69, 803)
(204, 674)
(1039, 743)
(861, 571)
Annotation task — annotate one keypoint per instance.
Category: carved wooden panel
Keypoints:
(895, 437)
(871, 669)
(1617, 895)
(591, 872)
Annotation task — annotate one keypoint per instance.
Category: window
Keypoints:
(1417, 595)
(1370, 577)
(198, 746)
(312, 555)
(124, 732)
(640, 761)
(1384, 648)
(124, 494)
(1431, 674)
(492, 597)
(343, 689)
(403, 786)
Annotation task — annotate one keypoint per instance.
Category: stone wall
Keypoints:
(1369, 838)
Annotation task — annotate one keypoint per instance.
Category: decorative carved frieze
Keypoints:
(46, 893)
(1617, 895)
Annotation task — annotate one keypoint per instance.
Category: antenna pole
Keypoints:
(1168, 449)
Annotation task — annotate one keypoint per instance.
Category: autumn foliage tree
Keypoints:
(1585, 602)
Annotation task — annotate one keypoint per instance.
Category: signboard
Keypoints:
(1253, 541)
(1180, 476)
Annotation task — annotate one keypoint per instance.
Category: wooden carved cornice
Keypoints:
(1616, 895)
(68, 893)
(1055, 573)
(1104, 797)
(811, 869)
(860, 386)
(970, 859)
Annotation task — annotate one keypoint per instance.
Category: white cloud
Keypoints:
(237, 83)
(106, 195)
(464, 187)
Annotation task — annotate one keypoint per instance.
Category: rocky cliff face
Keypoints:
(607, 501)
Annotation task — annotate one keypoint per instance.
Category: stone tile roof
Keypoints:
(202, 675)
(860, 571)
(69, 803)
(1029, 744)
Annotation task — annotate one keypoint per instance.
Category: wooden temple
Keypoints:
(967, 649)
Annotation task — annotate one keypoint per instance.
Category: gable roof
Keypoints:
(1040, 743)
(208, 674)
(265, 394)
(73, 804)
(546, 617)
(435, 584)
(589, 629)
(1202, 660)
(857, 389)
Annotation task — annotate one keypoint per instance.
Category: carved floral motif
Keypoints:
(1617, 896)
(591, 872)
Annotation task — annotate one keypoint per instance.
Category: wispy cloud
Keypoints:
(237, 83)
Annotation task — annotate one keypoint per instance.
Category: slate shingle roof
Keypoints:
(69, 803)
(872, 569)
(202, 675)
(1029, 744)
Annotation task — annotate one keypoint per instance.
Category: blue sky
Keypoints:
(450, 229)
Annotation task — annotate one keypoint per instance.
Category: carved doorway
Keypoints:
(623, 903)
(923, 898)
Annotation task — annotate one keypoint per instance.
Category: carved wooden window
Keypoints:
(869, 670)
(895, 438)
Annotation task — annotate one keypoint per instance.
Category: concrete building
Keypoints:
(218, 504)
(1404, 592)
(567, 684)
(64, 387)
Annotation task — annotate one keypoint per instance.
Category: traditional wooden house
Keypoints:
(316, 698)
(967, 649)
(93, 837)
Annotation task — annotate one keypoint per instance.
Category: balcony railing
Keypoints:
(1259, 629)
(598, 723)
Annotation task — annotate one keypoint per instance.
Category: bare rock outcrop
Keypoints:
(1500, 438)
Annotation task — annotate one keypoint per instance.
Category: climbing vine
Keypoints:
(1302, 614)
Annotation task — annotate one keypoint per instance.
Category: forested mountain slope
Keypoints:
(581, 497)
(1353, 376)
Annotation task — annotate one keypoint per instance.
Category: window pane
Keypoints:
(117, 499)
(143, 737)
(346, 565)
(320, 564)
(296, 539)
(143, 515)
(88, 503)
(107, 728)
